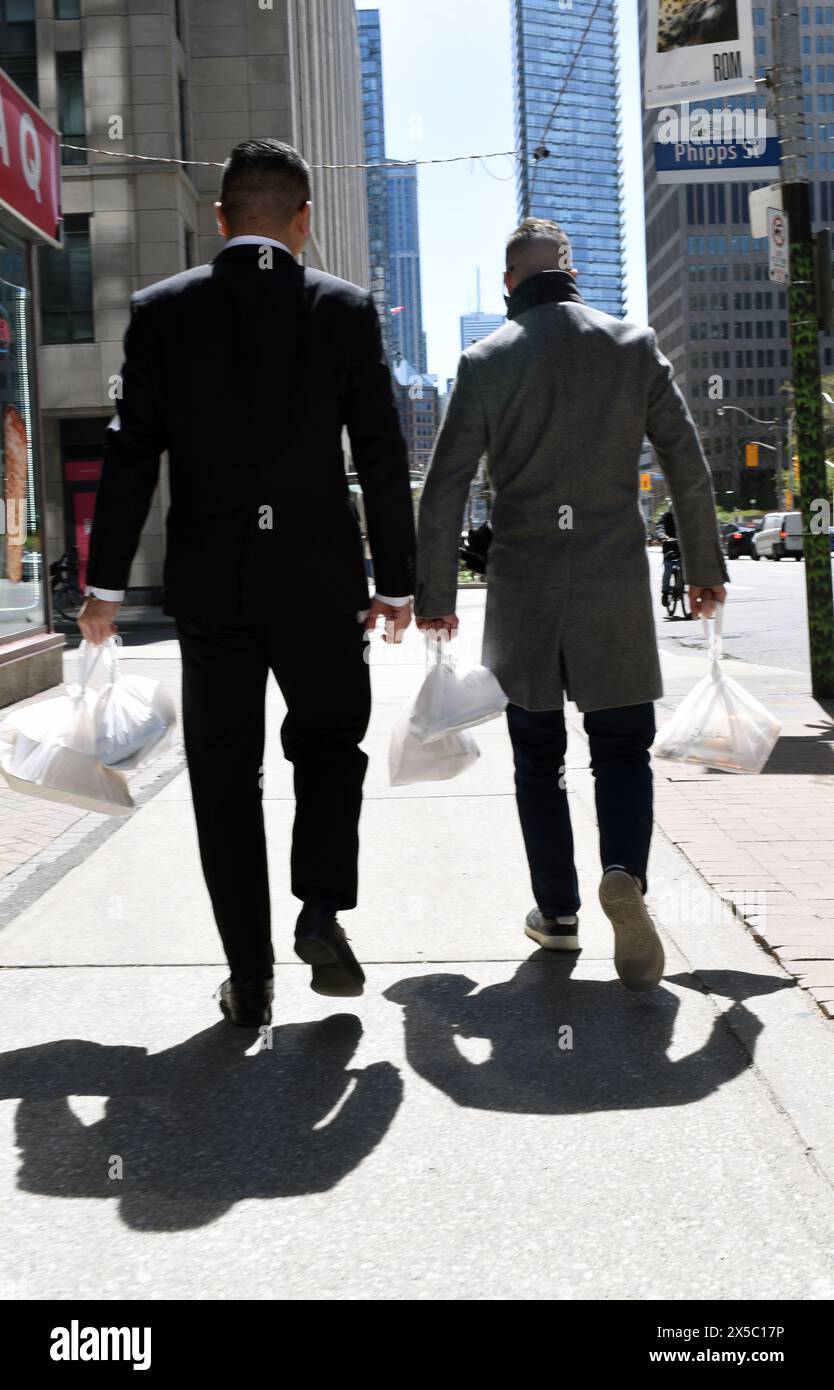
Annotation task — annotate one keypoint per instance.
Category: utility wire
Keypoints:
(220, 164)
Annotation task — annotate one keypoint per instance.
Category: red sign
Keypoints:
(82, 471)
(30, 165)
(83, 510)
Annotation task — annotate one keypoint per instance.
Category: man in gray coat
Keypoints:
(560, 400)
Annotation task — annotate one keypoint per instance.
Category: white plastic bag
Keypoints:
(135, 719)
(410, 761)
(719, 723)
(413, 760)
(48, 749)
(447, 703)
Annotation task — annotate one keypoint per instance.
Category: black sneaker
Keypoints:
(553, 933)
(321, 943)
(246, 1003)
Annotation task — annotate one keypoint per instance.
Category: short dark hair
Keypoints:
(264, 180)
(536, 245)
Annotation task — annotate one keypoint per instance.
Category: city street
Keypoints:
(765, 600)
(309, 307)
(489, 1121)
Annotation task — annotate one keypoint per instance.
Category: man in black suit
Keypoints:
(247, 371)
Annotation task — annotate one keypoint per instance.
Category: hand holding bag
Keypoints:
(719, 724)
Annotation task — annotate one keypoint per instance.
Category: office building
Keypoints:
(418, 406)
(719, 318)
(567, 105)
(408, 339)
(174, 80)
(476, 326)
(370, 47)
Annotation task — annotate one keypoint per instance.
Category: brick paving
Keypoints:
(41, 839)
(766, 844)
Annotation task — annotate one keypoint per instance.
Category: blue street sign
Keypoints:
(716, 161)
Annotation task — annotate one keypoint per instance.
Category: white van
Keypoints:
(780, 535)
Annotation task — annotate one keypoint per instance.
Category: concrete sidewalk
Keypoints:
(486, 1123)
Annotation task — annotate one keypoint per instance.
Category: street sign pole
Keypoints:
(785, 81)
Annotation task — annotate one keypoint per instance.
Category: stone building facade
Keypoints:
(171, 80)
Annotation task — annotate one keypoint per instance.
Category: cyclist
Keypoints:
(667, 532)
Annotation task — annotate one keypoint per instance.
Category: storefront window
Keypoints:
(18, 45)
(21, 551)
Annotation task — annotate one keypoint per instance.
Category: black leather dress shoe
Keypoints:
(321, 943)
(246, 1003)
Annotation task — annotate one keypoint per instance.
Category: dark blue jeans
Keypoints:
(668, 565)
(620, 740)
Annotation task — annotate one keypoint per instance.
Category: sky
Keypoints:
(449, 91)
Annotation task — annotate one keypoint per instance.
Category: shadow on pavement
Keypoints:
(806, 753)
(562, 1046)
(202, 1125)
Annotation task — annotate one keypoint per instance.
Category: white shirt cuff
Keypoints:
(107, 595)
(394, 602)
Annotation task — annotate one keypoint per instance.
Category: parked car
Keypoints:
(780, 536)
(739, 541)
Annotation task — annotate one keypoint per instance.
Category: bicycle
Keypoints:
(66, 595)
(675, 592)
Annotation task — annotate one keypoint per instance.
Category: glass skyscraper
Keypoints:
(370, 48)
(407, 336)
(475, 327)
(566, 74)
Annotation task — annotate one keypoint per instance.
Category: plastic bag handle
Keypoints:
(89, 657)
(442, 648)
(714, 633)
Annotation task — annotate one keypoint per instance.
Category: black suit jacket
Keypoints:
(247, 374)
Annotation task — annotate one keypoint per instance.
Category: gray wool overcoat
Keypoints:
(560, 400)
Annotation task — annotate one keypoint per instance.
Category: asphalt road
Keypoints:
(765, 620)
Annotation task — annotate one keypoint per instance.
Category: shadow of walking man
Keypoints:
(559, 1046)
(188, 1132)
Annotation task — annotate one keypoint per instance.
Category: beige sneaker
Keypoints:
(553, 933)
(638, 952)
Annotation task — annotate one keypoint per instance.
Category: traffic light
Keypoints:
(751, 455)
(645, 482)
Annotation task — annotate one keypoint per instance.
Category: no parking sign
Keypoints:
(778, 245)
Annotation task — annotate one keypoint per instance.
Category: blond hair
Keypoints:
(537, 245)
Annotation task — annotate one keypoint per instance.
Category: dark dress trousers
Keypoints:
(247, 371)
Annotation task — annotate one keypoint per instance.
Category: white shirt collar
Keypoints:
(257, 241)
